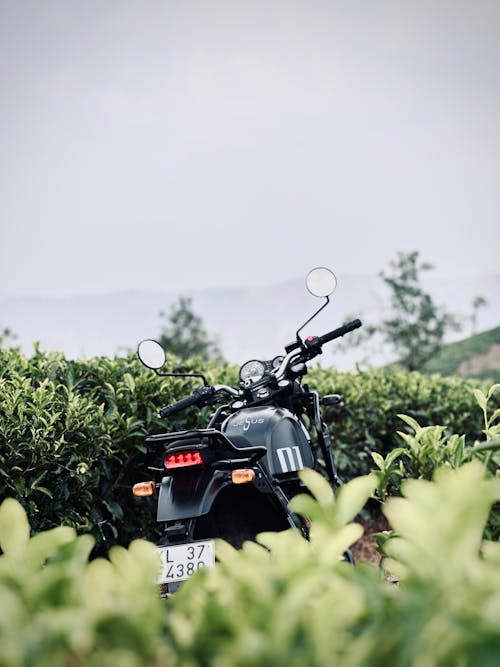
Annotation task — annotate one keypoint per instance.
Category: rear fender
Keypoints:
(189, 493)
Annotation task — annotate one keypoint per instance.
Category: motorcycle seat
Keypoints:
(238, 445)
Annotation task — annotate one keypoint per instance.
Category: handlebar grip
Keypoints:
(179, 405)
(200, 396)
(341, 331)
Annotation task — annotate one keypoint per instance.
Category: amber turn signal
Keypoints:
(242, 476)
(144, 489)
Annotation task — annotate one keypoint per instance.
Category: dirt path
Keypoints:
(365, 549)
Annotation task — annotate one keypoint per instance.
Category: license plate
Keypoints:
(182, 560)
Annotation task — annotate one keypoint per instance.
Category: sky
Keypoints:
(172, 145)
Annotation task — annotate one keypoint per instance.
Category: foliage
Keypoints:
(291, 602)
(184, 335)
(59, 610)
(428, 448)
(72, 432)
(284, 601)
(72, 440)
(477, 303)
(270, 604)
(7, 336)
(450, 582)
(368, 418)
(416, 326)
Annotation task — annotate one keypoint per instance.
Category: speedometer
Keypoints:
(252, 371)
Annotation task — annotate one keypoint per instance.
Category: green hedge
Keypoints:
(296, 603)
(72, 432)
(59, 610)
(368, 420)
(287, 603)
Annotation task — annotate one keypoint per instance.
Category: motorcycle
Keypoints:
(235, 478)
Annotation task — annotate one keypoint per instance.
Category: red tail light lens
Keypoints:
(183, 460)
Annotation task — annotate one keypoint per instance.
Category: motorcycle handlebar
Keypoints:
(200, 396)
(341, 331)
(204, 395)
(313, 344)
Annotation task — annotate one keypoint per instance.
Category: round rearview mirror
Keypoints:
(151, 353)
(321, 281)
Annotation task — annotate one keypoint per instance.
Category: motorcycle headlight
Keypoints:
(252, 371)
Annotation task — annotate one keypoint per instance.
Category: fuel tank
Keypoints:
(284, 436)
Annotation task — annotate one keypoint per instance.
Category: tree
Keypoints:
(184, 334)
(416, 326)
(477, 303)
(6, 335)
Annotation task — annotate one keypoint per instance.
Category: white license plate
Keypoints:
(183, 560)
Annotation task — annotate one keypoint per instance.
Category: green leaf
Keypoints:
(394, 454)
(458, 451)
(411, 422)
(14, 528)
(318, 486)
(480, 398)
(129, 381)
(492, 390)
(379, 460)
(43, 490)
(411, 441)
(306, 505)
(494, 416)
(43, 545)
(352, 497)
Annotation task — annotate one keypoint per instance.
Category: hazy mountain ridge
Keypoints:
(477, 356)
(248, 322)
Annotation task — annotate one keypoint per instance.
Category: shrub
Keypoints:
(284, 601)
(58, 609)
(291, 602)
(429, 448)
(368, 420)
(72, 432)
(72, 440)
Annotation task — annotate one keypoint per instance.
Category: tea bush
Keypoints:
(72, 432)
(293, 603)
(368, 419)
(429, 448)
(72, 440)
(283, 602)
(60, 610)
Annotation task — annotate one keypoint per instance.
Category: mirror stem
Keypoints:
(327, 301)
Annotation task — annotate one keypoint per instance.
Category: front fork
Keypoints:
(324, 438)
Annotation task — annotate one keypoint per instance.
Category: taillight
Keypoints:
(183, 460)
(144, 489)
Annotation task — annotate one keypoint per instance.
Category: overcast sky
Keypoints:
(168, 145)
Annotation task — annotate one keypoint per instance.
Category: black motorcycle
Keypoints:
(235, 478)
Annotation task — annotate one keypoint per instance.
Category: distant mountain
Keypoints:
(249, 322)
(474, 357)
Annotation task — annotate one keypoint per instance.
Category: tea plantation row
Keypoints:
(287, 603)
(71, 444)
(72, 432)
